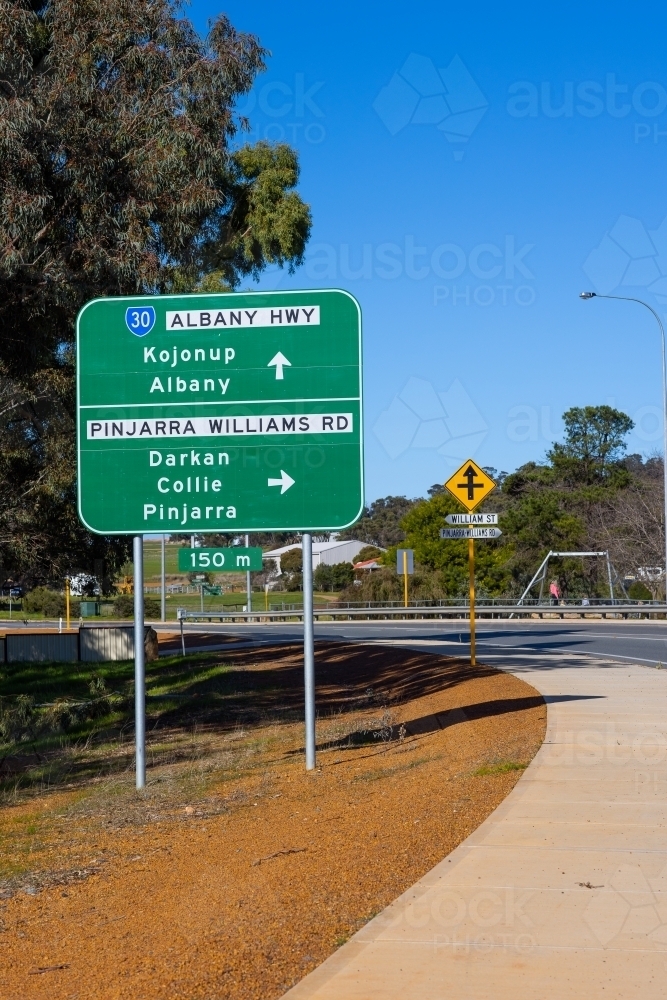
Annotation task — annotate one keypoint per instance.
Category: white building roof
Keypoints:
(328, 553)
(317, 548)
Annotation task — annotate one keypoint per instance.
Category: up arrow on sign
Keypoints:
(284, 482)
(279, 361)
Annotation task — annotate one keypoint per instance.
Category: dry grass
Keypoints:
(235, 873)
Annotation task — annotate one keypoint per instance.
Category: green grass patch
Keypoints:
(502, 767)
(69, 722)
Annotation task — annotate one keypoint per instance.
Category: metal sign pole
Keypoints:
(308, 649)
(139, 668)
(471, 567)
(163, 588)
(405, 578)
(611, 584)
(248, 586)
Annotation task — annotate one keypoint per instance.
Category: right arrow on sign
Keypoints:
(284, 482)
(279, 361)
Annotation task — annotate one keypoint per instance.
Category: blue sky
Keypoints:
(472, 168)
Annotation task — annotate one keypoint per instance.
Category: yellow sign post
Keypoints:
(471, 572)
(470, 485)
(405, 565)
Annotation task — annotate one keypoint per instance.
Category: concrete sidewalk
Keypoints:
(562, 892)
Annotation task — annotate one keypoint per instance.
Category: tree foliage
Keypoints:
(594, 444)
(587, 496)
(369, 552)
(449, 559)
(380, 523)
(568, 503)
(122, 171)
(336, 577)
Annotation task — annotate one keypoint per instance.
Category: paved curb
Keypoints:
(562, 891)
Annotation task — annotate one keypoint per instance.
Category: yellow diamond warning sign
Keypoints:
(470, 485)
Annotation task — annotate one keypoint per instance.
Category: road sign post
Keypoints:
(405, 565)
(139, 664)
(471, 570)
(248, 584)
(470, 485)
(235, 413)
(163, 585)
(308, 648)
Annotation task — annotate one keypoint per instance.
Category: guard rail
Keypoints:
(625, 610)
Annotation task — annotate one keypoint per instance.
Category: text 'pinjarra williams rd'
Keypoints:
(307, 423)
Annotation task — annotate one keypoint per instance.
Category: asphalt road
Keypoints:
(623, 641)
(634, 641)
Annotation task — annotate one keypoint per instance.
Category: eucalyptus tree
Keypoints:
(123, 170)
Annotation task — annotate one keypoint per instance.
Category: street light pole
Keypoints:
(627, 298)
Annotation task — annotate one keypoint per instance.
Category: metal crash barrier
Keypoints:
(332, 613)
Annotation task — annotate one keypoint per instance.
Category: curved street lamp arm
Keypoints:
(628, 298)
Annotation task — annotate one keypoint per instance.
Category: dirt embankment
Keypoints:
(237, 873)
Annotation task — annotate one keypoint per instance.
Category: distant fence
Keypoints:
(88, 645)
(455, 603)
(104, 645)
(38, 647)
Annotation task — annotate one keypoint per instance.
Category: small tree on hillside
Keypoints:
(594, 443)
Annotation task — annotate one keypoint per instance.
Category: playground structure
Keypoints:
(541, 575)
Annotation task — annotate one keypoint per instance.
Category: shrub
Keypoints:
(638, 591)
(369, 552)
(292, 561)
(335, 577)
(342, 575)
(291, 566)
(322, 577)
(151, 608)
(46, 601)
(123, 607)
(17, 722)
(50, 603)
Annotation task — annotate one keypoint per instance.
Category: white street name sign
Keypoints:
(472, 519)
(470, 532)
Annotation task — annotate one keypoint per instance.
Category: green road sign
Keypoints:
(231, 560)
(238, 412)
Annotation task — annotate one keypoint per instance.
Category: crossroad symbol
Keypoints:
(470, 485)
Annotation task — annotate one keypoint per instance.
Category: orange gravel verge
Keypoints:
(245, 886)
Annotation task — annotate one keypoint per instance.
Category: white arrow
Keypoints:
(279, 361)
(284, 482)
